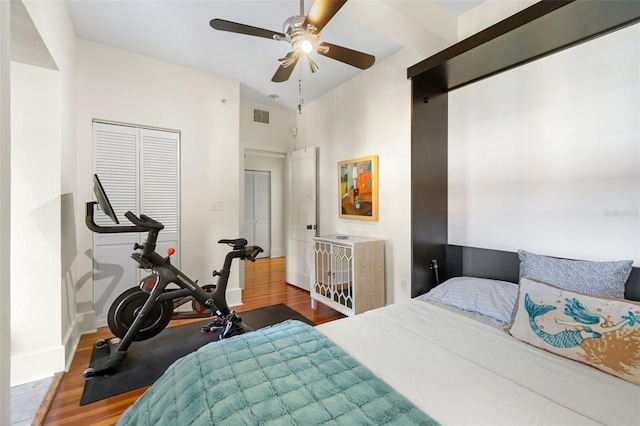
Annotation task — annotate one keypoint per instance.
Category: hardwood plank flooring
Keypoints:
(264, 286)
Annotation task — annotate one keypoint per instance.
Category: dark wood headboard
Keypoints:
(505, 266)
(542, 29)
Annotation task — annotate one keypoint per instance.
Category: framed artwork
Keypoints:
(358, 188)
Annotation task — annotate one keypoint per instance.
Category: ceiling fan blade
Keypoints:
(284, 72)
(321, 13)
(346, 55)
(234, 27)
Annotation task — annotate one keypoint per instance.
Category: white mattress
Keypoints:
(462, 371)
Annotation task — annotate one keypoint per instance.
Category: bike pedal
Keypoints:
(216, 324)
(210, 329)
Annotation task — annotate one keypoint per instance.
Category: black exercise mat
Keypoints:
(148, 359)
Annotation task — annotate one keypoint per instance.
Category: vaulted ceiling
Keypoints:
(178, 31)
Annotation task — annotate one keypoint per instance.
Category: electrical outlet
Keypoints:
(403, 285)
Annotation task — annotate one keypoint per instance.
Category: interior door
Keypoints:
(301, 214)
(257, 209)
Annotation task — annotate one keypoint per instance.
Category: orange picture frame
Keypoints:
(358, 188)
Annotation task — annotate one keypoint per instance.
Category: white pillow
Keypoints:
(491, 298)
(599, 331)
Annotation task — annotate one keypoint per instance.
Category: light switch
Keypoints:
(216, 205)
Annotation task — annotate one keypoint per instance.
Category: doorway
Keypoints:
(274, 164)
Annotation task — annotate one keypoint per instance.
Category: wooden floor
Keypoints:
(264, 286)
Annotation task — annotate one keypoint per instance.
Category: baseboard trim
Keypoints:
(36, 366)
(70, 343)
(234, 297)
(277, 252)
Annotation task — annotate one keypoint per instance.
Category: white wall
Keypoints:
(5, 213)
(488, 13)
(123, 87)
(42, 117)
(35, 222)
(274, 137)
(546, 157)
(264, 148)
(368, 115)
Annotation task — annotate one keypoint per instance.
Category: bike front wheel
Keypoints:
(125, 309)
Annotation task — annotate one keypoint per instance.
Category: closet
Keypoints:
(140, 171)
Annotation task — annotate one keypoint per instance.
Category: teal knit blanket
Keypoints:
(287, 374)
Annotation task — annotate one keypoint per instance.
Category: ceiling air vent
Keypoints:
(260, 116)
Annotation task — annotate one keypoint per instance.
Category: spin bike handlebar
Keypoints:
(92, 225)
(140, 224)
(144, 221)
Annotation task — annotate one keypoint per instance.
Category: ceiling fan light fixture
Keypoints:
(304, 43)
(302, 33)
(306, 46)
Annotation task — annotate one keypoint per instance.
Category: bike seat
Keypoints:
(238, 243)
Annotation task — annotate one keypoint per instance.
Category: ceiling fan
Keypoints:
(303, 33)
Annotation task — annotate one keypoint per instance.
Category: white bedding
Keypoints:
(462, 371)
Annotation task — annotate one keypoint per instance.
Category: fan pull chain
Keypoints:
(300, 100)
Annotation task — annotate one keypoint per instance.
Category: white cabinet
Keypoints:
(348, 273)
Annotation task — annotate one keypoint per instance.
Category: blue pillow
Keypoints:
(490, 298)
(599, 279)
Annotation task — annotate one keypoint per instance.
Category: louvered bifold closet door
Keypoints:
(160, 185)
(116, 161)
(139, 169)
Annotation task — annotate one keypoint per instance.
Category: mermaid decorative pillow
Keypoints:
(601, 332)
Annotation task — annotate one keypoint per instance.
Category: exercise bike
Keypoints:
(144, 311)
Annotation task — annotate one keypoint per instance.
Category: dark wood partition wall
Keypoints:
(482, 263)
(542, 29)
(428, 183)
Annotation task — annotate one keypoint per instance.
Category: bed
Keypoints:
(447, 357)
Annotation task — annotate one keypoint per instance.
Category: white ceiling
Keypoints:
(178, 31)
